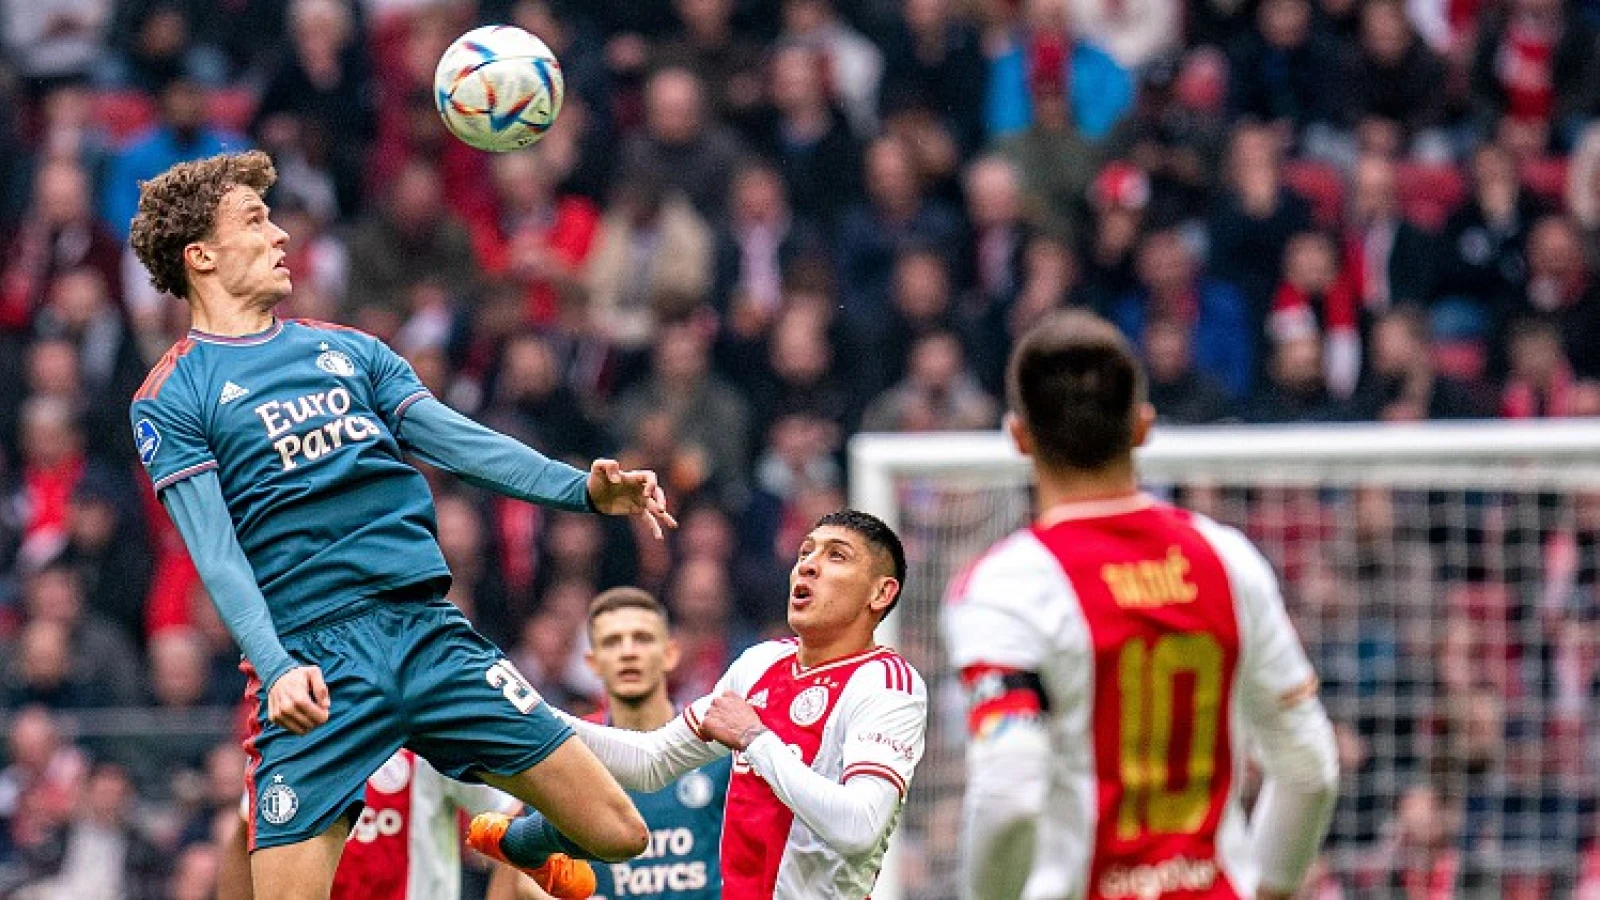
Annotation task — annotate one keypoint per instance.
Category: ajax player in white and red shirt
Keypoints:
(826, 730)
(1122, 657)
(406, 844)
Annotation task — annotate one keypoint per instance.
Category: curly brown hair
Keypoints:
(179, 207)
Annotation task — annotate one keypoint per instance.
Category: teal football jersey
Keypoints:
(682, 861)
(299, 424)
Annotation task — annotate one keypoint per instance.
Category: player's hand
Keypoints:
(298, 700)
(625, 493)
(732, 722)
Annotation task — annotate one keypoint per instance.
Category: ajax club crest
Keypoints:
(809, 706)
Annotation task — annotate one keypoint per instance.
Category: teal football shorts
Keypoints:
(400, 672)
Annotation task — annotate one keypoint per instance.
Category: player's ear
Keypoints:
(1144, 418)
(888, 590)
(197, 256)
(1020, 436)
(588, 660)
(672, 656)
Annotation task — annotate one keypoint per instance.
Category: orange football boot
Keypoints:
(561, 876)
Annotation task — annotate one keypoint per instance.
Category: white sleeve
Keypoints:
(478, 798)
(649, 761)
(851, 817)
(1278, 697)
(884, 714)
(995, 614)
(997, 618)
(646, 760)
(1008, 778)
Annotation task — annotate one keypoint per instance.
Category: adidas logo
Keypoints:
(758, 699)
(230, 393)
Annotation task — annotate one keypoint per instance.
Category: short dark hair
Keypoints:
(1074, 381)
(879, 535)
(179, 207)
(624, 598)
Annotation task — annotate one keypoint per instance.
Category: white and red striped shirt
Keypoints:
(1161, 646)
(861, 716)
(407, 843)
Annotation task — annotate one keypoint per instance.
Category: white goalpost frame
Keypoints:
(878, 460)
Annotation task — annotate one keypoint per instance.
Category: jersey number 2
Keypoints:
(1162, 794)
(504, 676)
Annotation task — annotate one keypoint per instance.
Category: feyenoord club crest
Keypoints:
(278, 802)
(695, 789)
(335, 363)
(393, 776)
(808, 707)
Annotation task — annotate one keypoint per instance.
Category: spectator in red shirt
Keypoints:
(39, 789)
(533, 235)
(1315, 300)
(1540, 383)
(1536, 73)
(59, 233)
(52, 464)
(1388, 259)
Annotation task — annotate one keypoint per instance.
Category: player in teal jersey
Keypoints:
(632, 652)
(277, 448)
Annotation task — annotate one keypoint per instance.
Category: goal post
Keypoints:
(1442, 576)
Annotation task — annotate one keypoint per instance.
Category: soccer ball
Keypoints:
(498, 88)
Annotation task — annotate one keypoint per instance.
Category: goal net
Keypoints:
(1445, 580)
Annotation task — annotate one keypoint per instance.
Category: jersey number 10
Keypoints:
(1160, 794)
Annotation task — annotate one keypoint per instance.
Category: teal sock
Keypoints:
(530, 840)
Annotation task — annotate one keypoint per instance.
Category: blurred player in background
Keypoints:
(826, 732)
(406, 845)
(278, 450)
(633, 653)
(1119, 655)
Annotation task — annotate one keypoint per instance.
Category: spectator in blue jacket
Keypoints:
(181, 134)
(1098, 90)
(1172, 288)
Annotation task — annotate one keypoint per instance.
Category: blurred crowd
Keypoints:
(756, 228)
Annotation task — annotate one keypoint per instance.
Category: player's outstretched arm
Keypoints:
(646, 760)
(297, 696)
(488, 459)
